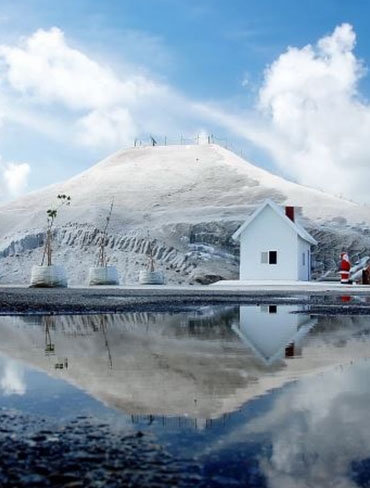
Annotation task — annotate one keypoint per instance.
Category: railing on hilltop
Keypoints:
(201, 139)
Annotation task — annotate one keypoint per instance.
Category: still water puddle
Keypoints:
(260, 394)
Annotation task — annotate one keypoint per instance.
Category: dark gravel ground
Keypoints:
(24, 301)
(84, 453)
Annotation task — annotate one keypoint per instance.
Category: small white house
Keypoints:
(273, 246)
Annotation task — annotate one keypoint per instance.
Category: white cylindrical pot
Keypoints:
(151, 277)
(48, 276)
(103, 275)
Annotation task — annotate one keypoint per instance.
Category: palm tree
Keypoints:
(51, 216)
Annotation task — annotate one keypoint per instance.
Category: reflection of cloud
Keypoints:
(12, 382)
(318, 427)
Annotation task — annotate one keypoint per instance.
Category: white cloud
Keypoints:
(316, 124)
(309, 116)
(115, 127)
(13, 179)
(47, 69)
(106, 109)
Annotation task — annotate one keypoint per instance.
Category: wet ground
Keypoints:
(85, 453)
(21, 300)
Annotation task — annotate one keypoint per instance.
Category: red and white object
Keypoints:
(345, 267)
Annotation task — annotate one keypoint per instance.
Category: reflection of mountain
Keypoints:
(272, 332)
(177, 364)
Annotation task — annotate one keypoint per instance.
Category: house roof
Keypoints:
(279, 211)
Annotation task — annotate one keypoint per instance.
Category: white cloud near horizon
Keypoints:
(13, 179)
(114, 127)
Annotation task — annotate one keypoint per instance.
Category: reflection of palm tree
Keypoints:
(103, 325)
(50, 346)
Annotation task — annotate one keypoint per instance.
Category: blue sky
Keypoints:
(285, 82)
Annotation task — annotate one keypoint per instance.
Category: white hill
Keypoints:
(185, 200)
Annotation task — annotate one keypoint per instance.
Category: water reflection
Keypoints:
(316, 432)
(200, 364)
(50, 346)
(12, 378)
(273, 332)
(214, 384)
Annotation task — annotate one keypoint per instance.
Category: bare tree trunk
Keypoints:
(49, 246)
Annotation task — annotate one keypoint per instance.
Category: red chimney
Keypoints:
(289, 212)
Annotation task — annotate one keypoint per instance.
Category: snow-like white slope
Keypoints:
(164, 192)
(186, 183)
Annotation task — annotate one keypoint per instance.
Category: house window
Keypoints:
(269, 257)
(304, 259)
(272, 257)
(268, 308)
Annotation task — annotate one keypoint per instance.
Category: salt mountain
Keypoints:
(183, 201)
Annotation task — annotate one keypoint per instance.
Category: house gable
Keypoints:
(300, 231)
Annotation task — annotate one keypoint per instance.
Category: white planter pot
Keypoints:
(48, 276)
(103, 275)
(151, 277)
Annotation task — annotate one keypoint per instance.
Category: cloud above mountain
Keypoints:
(46, 71)
(46, 68)
(317, 123)
(102, 108)
(308, 116)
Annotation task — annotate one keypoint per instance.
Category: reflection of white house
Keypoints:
(273, 246)
(271, 331)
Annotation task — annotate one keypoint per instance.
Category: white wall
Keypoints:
(268, 232)
(304, 270)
